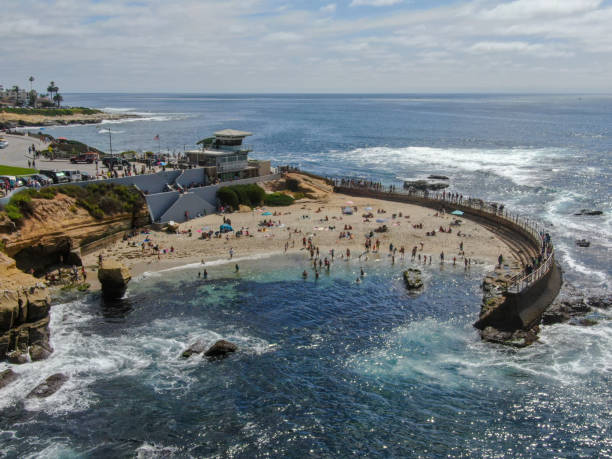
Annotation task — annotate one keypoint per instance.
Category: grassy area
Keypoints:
(51, 111)
(99, 199)
(10, 170)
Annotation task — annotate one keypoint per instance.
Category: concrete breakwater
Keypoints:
(512, 307)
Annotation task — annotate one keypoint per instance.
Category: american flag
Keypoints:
(156, 137)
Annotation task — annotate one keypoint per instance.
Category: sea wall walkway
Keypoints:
(529, 292)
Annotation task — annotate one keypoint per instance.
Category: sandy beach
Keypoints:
(324, 223)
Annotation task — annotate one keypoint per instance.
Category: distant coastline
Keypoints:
(11, 118)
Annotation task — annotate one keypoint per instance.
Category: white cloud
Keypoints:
(283, 37)
(541, 8)
(375, 2)
(537, 49)
(331, 8)
(253, 45)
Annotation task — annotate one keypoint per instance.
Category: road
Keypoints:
(16, 154)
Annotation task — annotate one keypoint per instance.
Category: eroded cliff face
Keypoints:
(24, 315)
(51, 235)
(55, 230)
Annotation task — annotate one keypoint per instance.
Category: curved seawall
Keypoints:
(521, 301)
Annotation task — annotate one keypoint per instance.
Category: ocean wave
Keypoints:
(516, 164)
(117, 109)
(451, 354)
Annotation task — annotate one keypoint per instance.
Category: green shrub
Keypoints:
(228, 197)
(51, 111)
(278, 199)
(243, 196)
(292, 184)
(13, 212)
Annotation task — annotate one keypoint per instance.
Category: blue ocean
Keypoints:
(333, 368)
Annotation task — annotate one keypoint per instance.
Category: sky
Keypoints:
(283, 46)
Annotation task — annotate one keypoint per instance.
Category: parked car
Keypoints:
(113, 161)
(86, 176)
(42, 179)
(56, 176)
(88, 158)
(73, 176)
(3, 143)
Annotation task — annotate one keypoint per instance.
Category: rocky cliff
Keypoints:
(24, 314)
(54, 231)
(49, 236)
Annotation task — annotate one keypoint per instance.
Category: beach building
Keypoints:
(224, 157)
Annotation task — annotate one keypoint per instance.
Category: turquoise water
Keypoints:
(324, 368)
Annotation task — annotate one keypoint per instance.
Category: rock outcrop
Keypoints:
(220, 350)
(49, 386)
(412, 279)
(24, 313)
(588, 212)
(196, 348)
(6, 377)
(114, 278)
(424, 185)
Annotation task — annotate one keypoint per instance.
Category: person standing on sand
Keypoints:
(500, 260)
(441, 257)
(231, 252)
(237, 267)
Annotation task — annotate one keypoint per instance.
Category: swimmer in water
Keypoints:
(205, 274)
(358, 280)
(304, 274)
(362, 273)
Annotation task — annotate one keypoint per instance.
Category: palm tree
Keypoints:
(58, 98)
(52, 89)
(31, 80)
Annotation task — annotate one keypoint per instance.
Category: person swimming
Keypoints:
(205, 274)
(362, 272)
(304, 274)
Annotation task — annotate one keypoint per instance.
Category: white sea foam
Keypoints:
(117, 109)
(516, 164)
(219, 262)
(150, 352)
(452, 355)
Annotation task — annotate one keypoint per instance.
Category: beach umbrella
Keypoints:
(62, 138)
(267, 213)
(226, 227)
(457, 212)
(368, 208)
(350, 202)
(347, 210)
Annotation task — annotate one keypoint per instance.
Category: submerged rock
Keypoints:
(601, 302)
(412, 279)
(196, 348)
(17, 357)
(517, 338)
(6, 377)
(49, 386)
(114, 278)
(38, 352)
(220, 349)
(424, 185)
(589, 212)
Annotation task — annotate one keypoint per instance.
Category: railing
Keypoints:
(532, 227)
